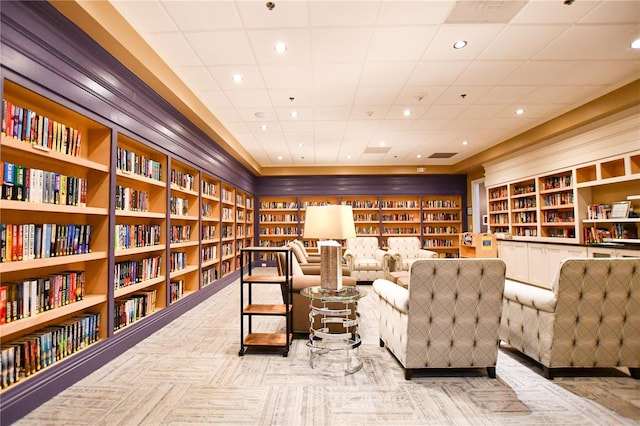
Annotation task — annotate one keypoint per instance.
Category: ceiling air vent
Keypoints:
(484, 12)
(442, 154)
(377, 149)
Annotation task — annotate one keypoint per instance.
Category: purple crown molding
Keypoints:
(47, 53)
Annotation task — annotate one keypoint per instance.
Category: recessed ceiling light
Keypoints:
(300, 145)
(406, 112)
(279, 157)
(419, 156)
(293, 114)
(260, 114)
(348, 157)
(459, 44)
(381, 143)
(635, 44)
(280, 47)
(465, 142)
(237, 78)
(263, 127)
(519, 111)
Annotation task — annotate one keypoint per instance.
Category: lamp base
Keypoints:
(330, 267)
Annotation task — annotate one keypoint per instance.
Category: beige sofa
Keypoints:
(589, 318)
(300, 308)
(449, 317)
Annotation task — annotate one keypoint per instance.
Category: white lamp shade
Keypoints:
(332, 222)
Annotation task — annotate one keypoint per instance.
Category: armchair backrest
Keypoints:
(363, 247)
(597, 315)
(407, 247)
(454, 312)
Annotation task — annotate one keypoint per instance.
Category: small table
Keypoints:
(337, 338)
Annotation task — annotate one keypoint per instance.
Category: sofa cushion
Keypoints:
(367, 264)
(530, 295)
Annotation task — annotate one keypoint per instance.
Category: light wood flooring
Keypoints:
(190, 373)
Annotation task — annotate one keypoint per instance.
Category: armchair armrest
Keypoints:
(348, 255)
(393, 294)
(529, 295)
(426, 254)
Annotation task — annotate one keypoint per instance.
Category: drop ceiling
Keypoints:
(352, 68)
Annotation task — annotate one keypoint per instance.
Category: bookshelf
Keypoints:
(278, 222)
(59, 276)
(210, 229)
(140, 232)
(307, 201)
(184, 232)
(441, 224)
(557, 212)
(228, 252)
(524, 222)
(498, 208)
(400, 217)
(366, 214)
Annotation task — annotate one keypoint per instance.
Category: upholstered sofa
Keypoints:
(310, 262)
(300, 308)
(403, 251)
(365, 259)
(449, 317)
(589, 318)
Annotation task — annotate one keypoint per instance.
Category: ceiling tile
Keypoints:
(338, 45)
(400, 43)
(222, 47)
(203, 15)
(146, 17)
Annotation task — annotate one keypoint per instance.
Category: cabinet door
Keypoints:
(515, 256)
(544, 261)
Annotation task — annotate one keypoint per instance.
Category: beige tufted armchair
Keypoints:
(449, 316)
(365, 259)
(403, 251)
(589, 318)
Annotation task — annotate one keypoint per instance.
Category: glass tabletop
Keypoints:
(345, 294)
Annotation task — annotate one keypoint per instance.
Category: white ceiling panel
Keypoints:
(352, 67)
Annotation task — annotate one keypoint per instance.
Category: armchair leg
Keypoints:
(547, 373)
(381, 343)
(634, 372)
(407, 373)
(491, 371)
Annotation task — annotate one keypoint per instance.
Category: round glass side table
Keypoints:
(333, 334)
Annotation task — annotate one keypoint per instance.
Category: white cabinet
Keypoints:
(544, 261)
(611, 252)
(515, 256)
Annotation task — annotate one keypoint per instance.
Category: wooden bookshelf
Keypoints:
(184, 231)
(399, 217)
(140, 234)
(78, 277)
(366, 214)
(524, 211)
(279, 222)
(441, 224)
(498, 199)
(229, 255)
(210, 229)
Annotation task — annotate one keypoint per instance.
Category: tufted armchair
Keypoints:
(449, 317)
(365, 259)
(403, 251)
(589, 318)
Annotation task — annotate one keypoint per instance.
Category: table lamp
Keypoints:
(327, 224)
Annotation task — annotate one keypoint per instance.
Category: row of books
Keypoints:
(131, 199)
(30, 241)
(210, 189)
(136, 271)
(403, 217)
(32, 352)
(209, 276)
(208, 232)
(435, 217)
(141, 235)
(604, 232)
(177, 260)
(22, 183)
(179, 206)
(132, 162)
(209, 253)
(182, 179)
(180, 233)
(43, 132)
(133, 308)
(176, 290)
(598, 211)
(28, 298)
(440, 230)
